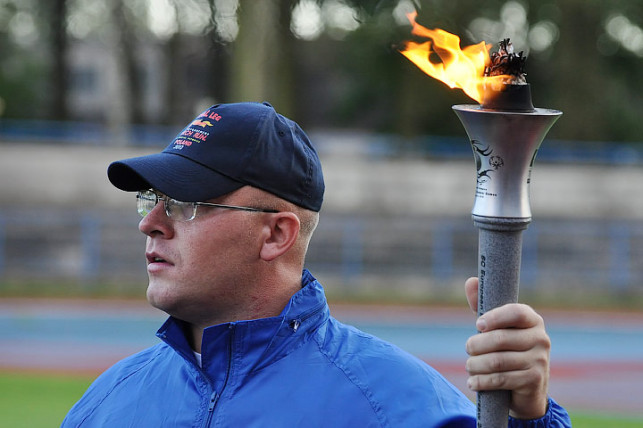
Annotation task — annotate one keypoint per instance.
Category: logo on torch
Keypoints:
(480, 153)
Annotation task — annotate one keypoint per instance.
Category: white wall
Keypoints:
(62, 175)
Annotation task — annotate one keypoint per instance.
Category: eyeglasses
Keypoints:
(146, 200)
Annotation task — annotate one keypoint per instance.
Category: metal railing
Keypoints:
(93, 248)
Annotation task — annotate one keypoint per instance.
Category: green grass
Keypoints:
(583, 420)
(30, 400)
(37, 400)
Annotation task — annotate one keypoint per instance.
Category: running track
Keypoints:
(597, 357)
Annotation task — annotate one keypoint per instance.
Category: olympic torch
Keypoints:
(505, 132)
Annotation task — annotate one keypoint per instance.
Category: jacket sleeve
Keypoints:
(556, 417)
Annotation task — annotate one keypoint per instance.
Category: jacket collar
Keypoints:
(244, 346)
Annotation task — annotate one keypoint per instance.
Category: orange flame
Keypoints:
(460, 68)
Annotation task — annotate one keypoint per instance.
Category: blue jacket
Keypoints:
(300, 369)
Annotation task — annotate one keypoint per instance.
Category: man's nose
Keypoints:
(156, 222)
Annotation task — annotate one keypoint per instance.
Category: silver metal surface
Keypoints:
(504, 148)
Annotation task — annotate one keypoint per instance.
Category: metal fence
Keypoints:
(354, 251)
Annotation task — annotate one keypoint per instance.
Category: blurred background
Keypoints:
(87, 82)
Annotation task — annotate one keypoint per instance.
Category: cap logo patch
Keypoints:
(201, 123)
(192, 134)
(210, 115)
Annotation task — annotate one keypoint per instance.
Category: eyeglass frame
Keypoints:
(169, 202)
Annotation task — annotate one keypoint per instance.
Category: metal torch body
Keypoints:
(504, 145)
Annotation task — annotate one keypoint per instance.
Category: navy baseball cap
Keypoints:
(225, 148)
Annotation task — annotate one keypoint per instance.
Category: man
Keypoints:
(228, 209)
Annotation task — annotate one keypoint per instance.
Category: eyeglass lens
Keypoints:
(147, 200)
(178, 210)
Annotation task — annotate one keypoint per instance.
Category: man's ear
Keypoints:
(283, 233)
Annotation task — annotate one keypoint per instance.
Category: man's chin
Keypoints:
(159, 298)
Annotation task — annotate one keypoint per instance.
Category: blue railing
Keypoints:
(586, 256)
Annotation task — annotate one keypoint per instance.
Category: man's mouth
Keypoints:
(154, 258)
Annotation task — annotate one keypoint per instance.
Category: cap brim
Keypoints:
(171, 174)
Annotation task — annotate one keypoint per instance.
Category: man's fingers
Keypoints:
(512, 380)
(471, 291)
(516, 340)
(513, 315)
(496, 362)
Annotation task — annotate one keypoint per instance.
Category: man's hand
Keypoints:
(511, 352)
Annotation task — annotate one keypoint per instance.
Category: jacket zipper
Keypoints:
(214, 397)
(296, 322)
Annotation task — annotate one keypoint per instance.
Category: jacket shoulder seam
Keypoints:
(355, 381)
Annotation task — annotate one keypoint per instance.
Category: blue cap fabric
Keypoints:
(225, 148)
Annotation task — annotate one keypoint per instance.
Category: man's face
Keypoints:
(200, 270)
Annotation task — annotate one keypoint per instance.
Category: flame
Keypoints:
(460, 68)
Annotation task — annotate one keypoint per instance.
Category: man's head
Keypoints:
(244, 155)
(225, 148)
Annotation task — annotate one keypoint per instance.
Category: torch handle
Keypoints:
(499, 256)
